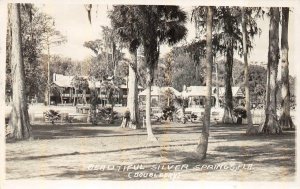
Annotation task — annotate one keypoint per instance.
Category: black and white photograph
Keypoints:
(166, 92)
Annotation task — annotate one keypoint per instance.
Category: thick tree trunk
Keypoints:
(132, 96)
(149, 72)
(203, 141)
(228, 106)
(250, 128)
(19, 120)
(285, 119)
(271, 125)
(267, 101)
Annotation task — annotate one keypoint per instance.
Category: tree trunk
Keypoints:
(250, 128)
(93, 106)
(285, 120)
(61, 96)
(132, 96)
(228, 106)
(149, 79)
(271, 125)
(74, 102)
(217, 86)
(84, 96)
(47, 91)
(203, 141)
(19, 120)
(112, 119)
(46, 96)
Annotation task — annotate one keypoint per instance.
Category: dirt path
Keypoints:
(112, 153)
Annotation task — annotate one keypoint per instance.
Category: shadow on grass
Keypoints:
(237, 136)
(79, 131)
(278, 152)
(88, 153)
(115, 172)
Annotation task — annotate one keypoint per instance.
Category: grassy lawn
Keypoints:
(112, 153)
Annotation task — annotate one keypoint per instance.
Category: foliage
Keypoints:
(104, 114)
(108, 55)
(185, 70)
(149, 25)
(168, 112)
(240, 112)
(52, 115)
(111, 88)
(62, 65)
(96, 46)
(79, 83)
(36, 29)
(226, 27)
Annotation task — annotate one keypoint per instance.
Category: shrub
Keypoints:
(52, 115)
(168, 112)
(104, 114)
(240, 112)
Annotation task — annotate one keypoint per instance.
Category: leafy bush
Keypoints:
(52, 115)
(104, 114)
(168, 112)
(240, 112)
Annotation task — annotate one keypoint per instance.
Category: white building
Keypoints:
(157, 93)
(196, 95)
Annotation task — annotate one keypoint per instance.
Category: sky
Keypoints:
(72, 21)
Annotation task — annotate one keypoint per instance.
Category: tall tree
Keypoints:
(33, 28)
(246, 72)
(80, 85)
(125, 29)
(52, 37)
(132, 95)
(270, 124)
(203, 141)
(96, 46)
(230, 31)
(150, 26)
(225, 41)
(285, 119)
(19, 120)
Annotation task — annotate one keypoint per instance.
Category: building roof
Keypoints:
(157, 91)
(201, 91)
(62, 80)
(123, 86)
(65, 81)
(236, 91)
